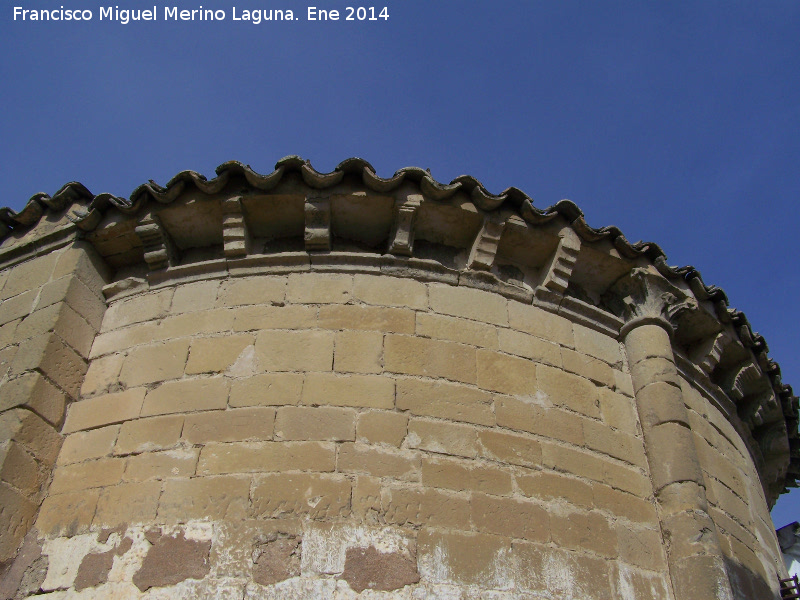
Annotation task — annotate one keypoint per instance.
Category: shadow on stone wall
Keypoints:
(749, 585)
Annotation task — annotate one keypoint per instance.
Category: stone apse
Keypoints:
(335, 385)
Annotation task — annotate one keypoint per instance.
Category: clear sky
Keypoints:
(679, 122)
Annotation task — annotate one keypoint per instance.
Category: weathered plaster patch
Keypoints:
(172, 559)
(367, 568)
(95, 567)
(276, 559)
(65, 556)
(325, 545)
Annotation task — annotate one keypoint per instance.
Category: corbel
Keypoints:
(484, 248)
(318, 222)
(160, 251)
(401, 240)
(558, 270)
(235, 233)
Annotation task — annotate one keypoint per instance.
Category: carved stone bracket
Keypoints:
(401, 241)
(160, 251)
(484, 248)
(709, 353)
(318, 223)
(235, 234)
(559, 268)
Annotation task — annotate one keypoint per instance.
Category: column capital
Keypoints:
(646, 298)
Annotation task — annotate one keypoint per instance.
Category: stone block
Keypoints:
(318, 288)
(639, 584)
(510, 517)
(89, 474)
(456, 329)
(583, 531)
(7, 333)
(153, 363)
(190, 297)
(295, 350)
(642, 547)
(33, 432)
(468, 303)
(700, 577)
(526, 415)
(270, 389)
(78, 296)
(416, 506)
(252, 290)
(569, 391)
(443, 438)
(600, 345)
(362, 391)
(29, 275)
(146, 435)
(623, 383)
(104, 410)
(624, 505)
(33, 391)
(148, 306)
(180, 462)
(16, 518)
(629, 479)
(366, 498)
(538, 322)
(324, 423)
(102, 375)
(367, 318)
(622, 446)
(466, 476)
(19, 469)
(235, 425)
(124, 339)
(619, 412)
(378, 462)
(561, 573)
(661, 402)
(127, 503)
(593, 369)
(445, 400)
(67, 514)
(256, 457)
(509, 448)
(212, 498)
(429, 358)
(12, 309)
(191, 324)
(186, 395)
(358, 352)
(85, 445)
(652, 370)
(60, 363)
(390, 291)
(549, 486)
(82, 262)
(216, 354)
(58, 318)
(648, 341)
(301, 495)
(460, 558)
(529, 346)
(382, 427)
(506, 374)
(674, 457)
(257, 318)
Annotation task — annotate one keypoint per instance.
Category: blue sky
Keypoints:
(679, 122)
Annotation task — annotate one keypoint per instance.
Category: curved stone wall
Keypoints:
(343, 387)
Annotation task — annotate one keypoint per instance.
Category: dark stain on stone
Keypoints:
(171, 560)
(276, 559)
(366, 568)
(94, 568)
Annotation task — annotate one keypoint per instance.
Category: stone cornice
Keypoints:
(409, 223)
